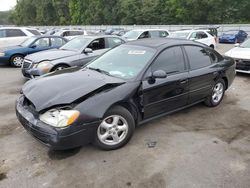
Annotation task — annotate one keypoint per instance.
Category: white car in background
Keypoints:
(70, 34)
(13, 36)
(241, 55)
(145, 33)
(201, 36)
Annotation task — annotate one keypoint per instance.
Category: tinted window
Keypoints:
(57, 42)
(34, 32)
(170, 60)
(41, 43)
(74, 33)
(97, 44)
(198, 57)
(14, 33)
(113, 42)
(202, 35)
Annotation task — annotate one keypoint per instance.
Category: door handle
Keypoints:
(184, 81)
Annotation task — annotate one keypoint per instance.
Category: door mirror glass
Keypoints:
(159, 74)
(88, 50)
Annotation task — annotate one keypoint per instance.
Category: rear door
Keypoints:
(170, 93)
(202, 72)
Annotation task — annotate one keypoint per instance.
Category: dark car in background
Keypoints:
(14, 55)
(127, 86)
(76, 52)
(234, 36)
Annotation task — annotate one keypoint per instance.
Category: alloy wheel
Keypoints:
(113, 130)
(218, 92)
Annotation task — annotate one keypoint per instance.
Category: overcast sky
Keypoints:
(7, 4)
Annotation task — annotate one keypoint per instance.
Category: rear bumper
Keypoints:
(222, 40)
(55, 138)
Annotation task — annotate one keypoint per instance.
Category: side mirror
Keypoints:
(87, 50)
(159, 74)
(33, 46)
(237, 45)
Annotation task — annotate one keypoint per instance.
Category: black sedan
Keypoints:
(103, 102)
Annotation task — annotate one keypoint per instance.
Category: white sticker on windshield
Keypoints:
(136, 52)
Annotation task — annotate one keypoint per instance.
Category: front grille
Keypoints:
(26, 64)
(243, 64)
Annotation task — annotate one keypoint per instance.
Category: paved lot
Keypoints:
(198, 147)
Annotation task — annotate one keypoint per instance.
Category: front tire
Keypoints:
(59, 67)
(217, 94)
(115, 130)
(16, 60)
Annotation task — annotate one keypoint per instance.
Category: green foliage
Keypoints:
(5, 18)
(115, 12)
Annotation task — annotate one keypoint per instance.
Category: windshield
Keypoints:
(245, 44)
(132, 34)
(183, 35)
(27, 42)
(124, 62)
(75, 44)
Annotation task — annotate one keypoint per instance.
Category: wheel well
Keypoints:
(15, 55)
(132, 109)
(226, 82)
(212, 46)
(53, 68)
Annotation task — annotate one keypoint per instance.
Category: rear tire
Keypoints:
(115, 130)
(217, 94)
(16, 60)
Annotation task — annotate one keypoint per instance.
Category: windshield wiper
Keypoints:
(99, 70)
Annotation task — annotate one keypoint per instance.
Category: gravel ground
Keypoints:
(198, 147)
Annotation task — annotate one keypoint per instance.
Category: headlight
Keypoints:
(59, 118)
(45, 66)
(2, 54)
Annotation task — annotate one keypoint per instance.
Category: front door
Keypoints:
(166, 94)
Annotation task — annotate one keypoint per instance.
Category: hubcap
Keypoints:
(112, 130)
(17, 61)
(217, 92)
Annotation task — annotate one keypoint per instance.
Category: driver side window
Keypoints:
(144, 35)
(42, 43)
(97, 44)
(170, 60)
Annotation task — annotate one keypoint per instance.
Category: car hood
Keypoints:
(50, 55)
(67, 86)
(239, 53)
(4, 49)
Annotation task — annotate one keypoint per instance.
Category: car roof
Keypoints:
(158, 43)
(190, 30)
(98, 36)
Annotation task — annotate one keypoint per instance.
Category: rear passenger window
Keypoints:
(170, 60)
(113, 42)
(154, 34)
(34, 32)
(56, 42)
(163, 34)
(14, 33)
(97, 44)
(198, 57)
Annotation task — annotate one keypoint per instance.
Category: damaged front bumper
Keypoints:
(55, 138)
